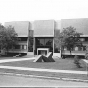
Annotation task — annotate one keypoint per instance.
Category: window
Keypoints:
(56, 50)
(80, 48)
(82, 39)
(44, 43)
(22, 38)
(86, 39)
(30, 44)
(24, 47)
(84, 48)
(17, 47)
(48, 42)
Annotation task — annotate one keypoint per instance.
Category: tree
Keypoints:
(8, 37)
(68, 38)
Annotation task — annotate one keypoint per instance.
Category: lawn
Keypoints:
(58, 75)
(62, 64)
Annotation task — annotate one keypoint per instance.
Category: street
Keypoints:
(18, 81)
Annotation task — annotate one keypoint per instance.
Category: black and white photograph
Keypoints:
(44, 43)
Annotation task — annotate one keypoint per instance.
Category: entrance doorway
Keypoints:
(42, 51)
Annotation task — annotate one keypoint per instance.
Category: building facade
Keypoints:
(37, 37)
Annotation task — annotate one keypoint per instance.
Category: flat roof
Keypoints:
(21, 27)
(80, 24)
(44, 28)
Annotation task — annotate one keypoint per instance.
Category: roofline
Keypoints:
(83, 35)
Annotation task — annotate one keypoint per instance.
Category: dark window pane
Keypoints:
(30, 44)
(17, 47)
(42, 42)
(84, 48)
(30, 49)
(46, 41)
(37, 41)
(49, 42)
(56, 50)
(22, 38)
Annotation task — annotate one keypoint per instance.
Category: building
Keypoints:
(22, 29)
(42, 34)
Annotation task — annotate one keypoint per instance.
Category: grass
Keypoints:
(58, 75)
(59, 64)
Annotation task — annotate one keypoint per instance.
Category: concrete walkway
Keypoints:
(44, 70)
(86, 61)
(13, 60)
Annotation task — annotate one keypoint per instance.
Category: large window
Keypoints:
(44, 43)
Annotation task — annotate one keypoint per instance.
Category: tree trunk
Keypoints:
(70, 52)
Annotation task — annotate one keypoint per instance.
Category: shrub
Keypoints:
(86, 56)
(77, 61)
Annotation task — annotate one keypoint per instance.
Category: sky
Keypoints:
(30, 10)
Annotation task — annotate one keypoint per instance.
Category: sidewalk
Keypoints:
(86, 61)
(13, 60)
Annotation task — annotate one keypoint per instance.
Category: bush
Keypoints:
(86, 56)
(77, 61)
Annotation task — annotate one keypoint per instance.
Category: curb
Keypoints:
(45, 77)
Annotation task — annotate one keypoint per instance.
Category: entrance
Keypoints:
(42, 51)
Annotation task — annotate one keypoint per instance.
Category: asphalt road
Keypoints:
(18, 81)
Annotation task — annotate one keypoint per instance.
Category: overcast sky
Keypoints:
(30, 10)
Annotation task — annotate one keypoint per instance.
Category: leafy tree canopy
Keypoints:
(69, 38)
(8, 37)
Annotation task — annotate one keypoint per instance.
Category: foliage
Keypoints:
(8, 37)
(86, 54)
(77, 61)
(69, 38)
